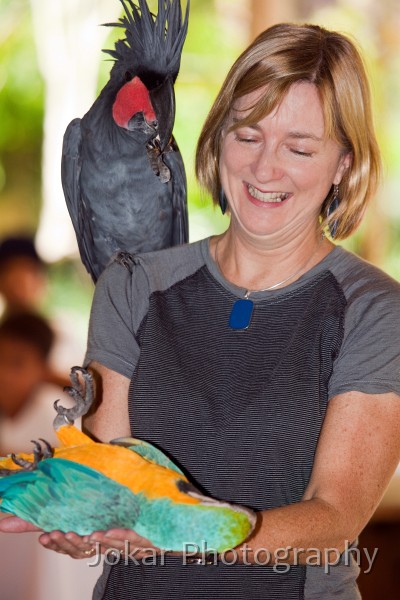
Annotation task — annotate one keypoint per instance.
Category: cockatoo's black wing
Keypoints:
(70, 177)
(180, 226)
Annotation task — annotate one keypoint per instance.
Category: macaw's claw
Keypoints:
(82, 393)
(48, 450)
(26, 465)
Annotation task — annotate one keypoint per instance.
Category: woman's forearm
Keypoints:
(301, 532)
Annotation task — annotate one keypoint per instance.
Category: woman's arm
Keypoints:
(357, 453)
(108, 419)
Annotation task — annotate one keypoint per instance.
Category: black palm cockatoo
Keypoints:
(122, 173)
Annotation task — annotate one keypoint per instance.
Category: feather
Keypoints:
(85, 486)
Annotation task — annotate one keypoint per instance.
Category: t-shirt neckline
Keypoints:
(315, 271)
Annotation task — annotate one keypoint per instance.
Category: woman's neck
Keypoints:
(262, 264)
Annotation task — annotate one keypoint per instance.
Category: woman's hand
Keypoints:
(15, 525)
(125, 542)
(76, 546)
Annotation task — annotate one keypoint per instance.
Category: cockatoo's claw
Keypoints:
(82, 393)
(126, 260)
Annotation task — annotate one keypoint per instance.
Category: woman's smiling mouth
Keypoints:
(267, 196)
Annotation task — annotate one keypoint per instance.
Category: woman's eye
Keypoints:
(243, 138)
(301, 153)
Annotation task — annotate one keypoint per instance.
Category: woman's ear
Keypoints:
(344, 165)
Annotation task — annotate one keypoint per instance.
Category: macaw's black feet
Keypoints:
(39, 453)
(82, 392)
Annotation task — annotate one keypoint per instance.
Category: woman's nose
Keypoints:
(267, 166)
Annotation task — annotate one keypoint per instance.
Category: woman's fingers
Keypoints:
(70, 543)
(16, 525)
(123, 540)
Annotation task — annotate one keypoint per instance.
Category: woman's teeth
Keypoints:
(266, 196)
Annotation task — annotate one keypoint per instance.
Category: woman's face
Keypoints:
(277, 173)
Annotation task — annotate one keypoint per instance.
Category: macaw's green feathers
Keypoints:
(68, 496)
(171, 525)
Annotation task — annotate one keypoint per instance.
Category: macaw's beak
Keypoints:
(163, 102)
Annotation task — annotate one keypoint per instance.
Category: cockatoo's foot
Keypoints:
(125, 259)
(155, 156)
(39, 453)
(82, 393)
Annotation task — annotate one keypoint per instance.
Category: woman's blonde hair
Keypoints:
(279, 57)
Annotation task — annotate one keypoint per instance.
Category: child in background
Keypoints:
(24, 288)
(23, 278)
(27, 413)
(26, 399)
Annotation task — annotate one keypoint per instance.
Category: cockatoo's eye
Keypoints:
(128, 76)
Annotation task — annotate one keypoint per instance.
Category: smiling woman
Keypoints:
(283, 164)
(283, 56)
(262, 360)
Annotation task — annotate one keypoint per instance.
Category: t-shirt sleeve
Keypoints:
(112, 337)
(369, 358)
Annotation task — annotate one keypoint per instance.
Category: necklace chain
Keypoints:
(272, 287)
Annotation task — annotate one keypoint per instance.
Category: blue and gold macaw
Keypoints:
(84, 486)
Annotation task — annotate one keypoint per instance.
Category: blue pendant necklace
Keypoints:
(242, 310)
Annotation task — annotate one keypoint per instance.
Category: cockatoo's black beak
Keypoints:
(163, 102)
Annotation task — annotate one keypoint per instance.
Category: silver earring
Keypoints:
(334, 204)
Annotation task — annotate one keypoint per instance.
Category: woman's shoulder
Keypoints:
(359, 279)
(156, 270)
(369, 357)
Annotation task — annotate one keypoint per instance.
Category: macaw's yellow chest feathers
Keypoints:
(128, 468)
(84, 486)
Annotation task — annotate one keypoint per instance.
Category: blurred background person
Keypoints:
(37, 350)
(24, 287)
(23, 281)
(26, 397)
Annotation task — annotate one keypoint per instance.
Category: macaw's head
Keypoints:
(146, 66)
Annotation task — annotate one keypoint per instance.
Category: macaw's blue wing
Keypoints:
(68, 496)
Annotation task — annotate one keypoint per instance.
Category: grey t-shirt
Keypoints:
(241, 411)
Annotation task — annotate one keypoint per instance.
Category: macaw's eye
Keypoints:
(128, 76)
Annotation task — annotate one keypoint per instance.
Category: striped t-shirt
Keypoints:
(240, 410)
